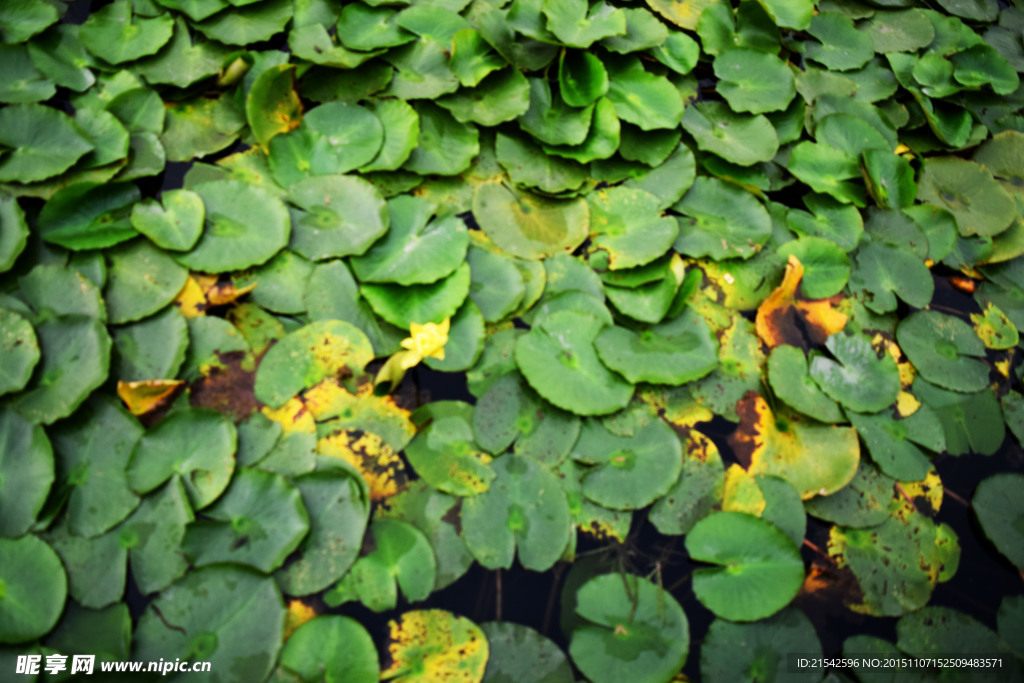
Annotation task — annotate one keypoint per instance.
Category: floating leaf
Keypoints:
(524, 510)
(791, 382)
(229, 616)
(96, 567)
(117, 34)
(445, 453)
(759, 572)
(334, 647)
(968, 190)
(175, 223)
(632, 628)
(398, 555)
(272, 105)
(860, 380)
(446, 147)
(643, 98)
(27, 612)
(89, 215)
(20, 350)
(945, 350)
(997, 506)
(738, 138)
(674, 352)
(433, 644)
(527, 225)
(197, 445)
(628, 224)
(994, 329)
(153, 536)
(26, 458)
(787, 631)
(785, 446)
(817, 319)
(972, 422)
(404, 305)
(723, 221)
(258, 522)
(519, 653)
(754, 81)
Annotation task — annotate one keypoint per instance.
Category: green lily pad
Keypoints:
(829, 219)
(697, 491)
(968, 190)
(340, 215)
(332, 647)
(445, 453)
(197, 444)
(200, 126)
(244, 227)
(551, 120)
(96, 567)
(416, 250)
(13, 231)
(735, 137)
(401, 134)
(632, 628)
(35, 588)
(760, 568)
(53, 290)
(76, 358)
(528, 166)
(117, 34)
(403, 305)
(765, 646)
(182, 61)
(446, 146)
(153, 536)
(22, 81)
(898, 563)
(141, 280)
(496, 285)
(858, 378)
(754, 81)
(900, 30)
(250, 24)
(89, 215)
(791, 382)
(524, 509)
(997, 506)
(721, 221)
(518, 653)
(93, 450)
(350, 134)
(26, 459)
(280, 283)
(527, 225)
(627, 223)
(106, 632)
(258, 522)
(890, 179)
(940, 631)
(308, 355)
(675, 352)
(889, 441)
(576, 24)
(945, 350)
(826, 266)
(643, 98)
(628, 472)
(582, 78)
(882, 271)
(210, 341)
(332, 294)
(827, 169)
(174, 223)
(842, 46)
(972, 422)
(20, 350)
(558, 359)
(337, 519)
(501, 96)
(602, 139)
(861, 504)
(21, 21)
(229, 616)
(399, 557)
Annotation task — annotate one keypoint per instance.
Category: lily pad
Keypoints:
(882, 271)
(229, 616)
(765, 648)
(945, 350)
(340, 215)
(404, 305)
(398, 557)
(76, 358)
(643, 98)
(754, 81)
(153, 536)
(518, 653)
(175, 223)
(971, 422)
(446, 146)
(697, 491)
(338, 513)
(826, 266)
(721, 221)
(675, 352)
(860, 380)
(416, 250)
(558, 359)
(26, 459)
(258, 522)
(739, 138)
(244, 227)
(35, 588)
(332, 294)
(968, 190)
(760, 568)
(861, 504)
(334, 647)
(308, 355)
(524, 509)
(997, 506)
(628, 472)
(20, 350)
(791, 382)
(89, 215)
(632, 628)
(527, 225)
(272, 105)
(197, 445)
(141, 280)
(436, 643)
(117, 34)
(627, 223)
(445, 453)
(96, 567)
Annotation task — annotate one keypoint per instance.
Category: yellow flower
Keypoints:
(427, 341)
